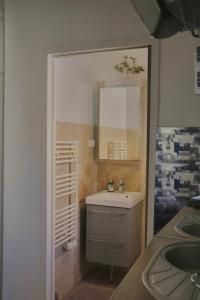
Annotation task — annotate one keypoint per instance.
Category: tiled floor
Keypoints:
(95, 286)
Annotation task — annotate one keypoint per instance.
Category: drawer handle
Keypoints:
(108, 243)
(102, 212)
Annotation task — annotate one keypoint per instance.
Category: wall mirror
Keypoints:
(119, 127)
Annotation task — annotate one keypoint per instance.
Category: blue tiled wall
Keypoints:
(177, 171)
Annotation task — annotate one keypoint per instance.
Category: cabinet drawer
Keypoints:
(106, 250)
(107, 220)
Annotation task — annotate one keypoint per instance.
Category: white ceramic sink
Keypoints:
(115, 199)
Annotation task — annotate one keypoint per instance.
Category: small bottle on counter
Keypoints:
(111, 186)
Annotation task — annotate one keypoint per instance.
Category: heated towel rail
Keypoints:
(65, 193)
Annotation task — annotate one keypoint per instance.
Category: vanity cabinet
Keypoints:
(113, 234)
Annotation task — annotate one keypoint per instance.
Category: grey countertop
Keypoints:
(131, 287)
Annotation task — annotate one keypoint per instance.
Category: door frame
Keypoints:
(49, 137)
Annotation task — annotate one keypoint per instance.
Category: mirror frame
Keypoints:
(104, 84)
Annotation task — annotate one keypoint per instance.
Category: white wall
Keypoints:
(33, 28)
(179, 106)
(76, 79)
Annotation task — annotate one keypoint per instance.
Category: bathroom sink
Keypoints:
(115, 199)
(168, 274)
(189, 226)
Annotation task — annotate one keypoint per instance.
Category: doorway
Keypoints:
(72, 94)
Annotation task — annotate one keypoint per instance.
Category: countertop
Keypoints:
(131, 287)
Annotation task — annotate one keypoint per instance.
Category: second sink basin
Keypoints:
(192, 229)
(189, 226)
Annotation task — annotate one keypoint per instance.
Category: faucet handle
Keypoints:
(121, 181)
(121, 185)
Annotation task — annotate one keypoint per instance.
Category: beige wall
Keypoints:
(129, 171)
(70, 266)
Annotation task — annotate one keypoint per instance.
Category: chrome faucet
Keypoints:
(121, 185)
